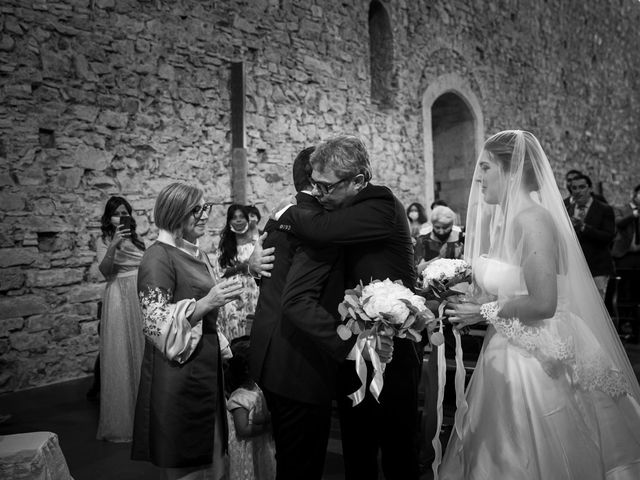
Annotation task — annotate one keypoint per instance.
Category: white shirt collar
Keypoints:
(189, 248)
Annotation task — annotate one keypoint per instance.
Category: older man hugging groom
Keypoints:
(368, 226)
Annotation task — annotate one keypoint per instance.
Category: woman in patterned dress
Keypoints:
(180, 423)
(236, 245)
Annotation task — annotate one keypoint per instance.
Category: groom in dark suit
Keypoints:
(294, 358)
(370, 224)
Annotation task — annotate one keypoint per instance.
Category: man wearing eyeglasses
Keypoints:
(594, 223)
(370, 224)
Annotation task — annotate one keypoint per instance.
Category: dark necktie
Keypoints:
(635, 220)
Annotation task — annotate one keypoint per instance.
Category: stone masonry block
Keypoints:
(8, 325)
(17, 256)
(54, 278)
(23, 306)
(85, 293)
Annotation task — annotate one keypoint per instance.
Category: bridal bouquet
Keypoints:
(381, 308)
(445, 280)
(443, 276)
(440, 279)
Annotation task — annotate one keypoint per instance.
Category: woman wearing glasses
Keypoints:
(180, 413)
(236, 245)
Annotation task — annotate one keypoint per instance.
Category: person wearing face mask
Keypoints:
(121, 341)
(417, 218)
(235, 248)
(441, 238)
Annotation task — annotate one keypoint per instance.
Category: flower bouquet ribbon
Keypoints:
(381, 308)
(444, 280)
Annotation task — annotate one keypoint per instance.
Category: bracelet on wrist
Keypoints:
(489, 311)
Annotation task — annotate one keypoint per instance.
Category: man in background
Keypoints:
(568, 178)
(594, 223)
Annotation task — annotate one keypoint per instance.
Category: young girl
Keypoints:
(251, 447)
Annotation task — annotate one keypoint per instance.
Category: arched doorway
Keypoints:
(453, 136)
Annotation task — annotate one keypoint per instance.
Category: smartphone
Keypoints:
(126, 222)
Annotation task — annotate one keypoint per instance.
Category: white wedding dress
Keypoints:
(535, 410)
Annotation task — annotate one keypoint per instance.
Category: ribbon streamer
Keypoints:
(361, 368)
(461, 402)
(442, 380)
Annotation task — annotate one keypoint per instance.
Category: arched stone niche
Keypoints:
(453, 136)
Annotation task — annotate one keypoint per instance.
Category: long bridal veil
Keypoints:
(550, 398)
(597, 359)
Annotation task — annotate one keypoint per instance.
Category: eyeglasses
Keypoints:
(326, 188)
(199, 210)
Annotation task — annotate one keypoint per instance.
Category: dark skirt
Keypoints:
(176, 407)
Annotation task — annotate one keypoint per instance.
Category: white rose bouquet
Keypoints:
(443, 274)
(381, 308)
(443, 278)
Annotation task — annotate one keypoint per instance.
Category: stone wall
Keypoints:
(103, 97)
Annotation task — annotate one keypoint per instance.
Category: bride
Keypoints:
(553, 395)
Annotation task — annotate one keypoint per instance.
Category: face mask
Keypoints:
(240, 232)
(115, 220)
(413, 215)
(442, 237)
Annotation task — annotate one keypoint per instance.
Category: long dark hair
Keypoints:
(422, 215)
(228, 243)
(108, 229)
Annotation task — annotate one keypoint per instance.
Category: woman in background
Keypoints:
(417, 221)
(235, 248)
(442, 238)
(121, 341)
(417, 218)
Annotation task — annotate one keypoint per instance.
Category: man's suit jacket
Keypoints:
(596, 236)
(626, 227)
(299, 360)
(374, 232)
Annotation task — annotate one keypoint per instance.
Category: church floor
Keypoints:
(64, 410)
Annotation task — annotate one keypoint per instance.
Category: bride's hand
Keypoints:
(464, 314)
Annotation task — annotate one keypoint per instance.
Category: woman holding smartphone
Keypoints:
(121, 340)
